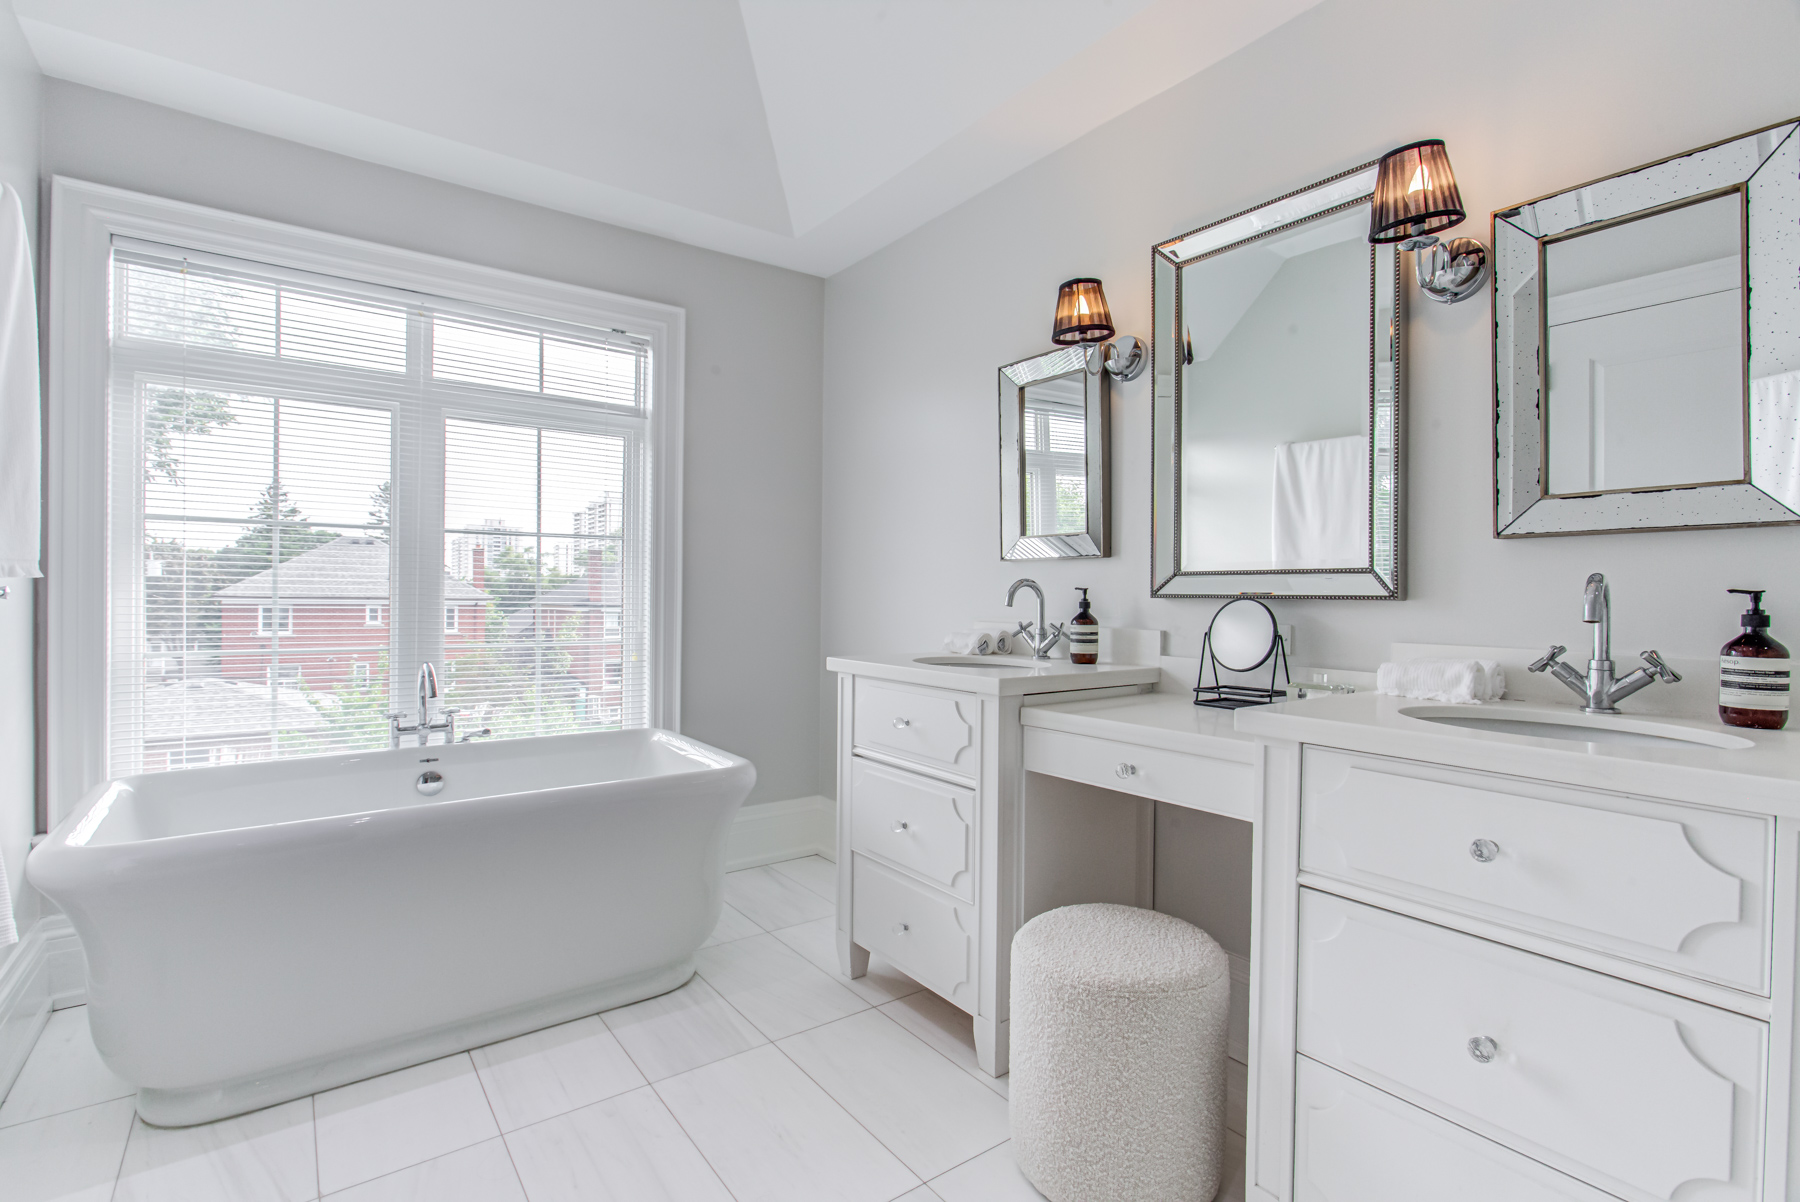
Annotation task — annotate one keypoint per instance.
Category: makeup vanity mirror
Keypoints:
(1647, 346)
(1276, 466)
(1054, 455)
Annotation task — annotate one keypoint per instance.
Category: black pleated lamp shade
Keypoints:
(1415, 194)
(1081, 314)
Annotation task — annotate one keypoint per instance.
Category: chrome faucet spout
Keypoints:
(1041, 637)
(428, 688)
(445, 721)
(1599, 690)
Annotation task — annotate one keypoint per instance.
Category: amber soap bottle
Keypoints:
(1753, 672)
(1084, 634)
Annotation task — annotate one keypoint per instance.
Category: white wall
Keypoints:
(19, 90)
(1531, 95)
(751, 549)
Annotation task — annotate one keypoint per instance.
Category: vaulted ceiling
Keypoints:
(804, 133)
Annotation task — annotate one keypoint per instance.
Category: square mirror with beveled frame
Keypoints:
(1647, 346)
(1276, 423)
(1055, 456)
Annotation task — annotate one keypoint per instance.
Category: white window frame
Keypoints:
(85, 219)
(372, 616)
(265, 627)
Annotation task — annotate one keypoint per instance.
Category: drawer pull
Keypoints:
(900, 928)
(902, 723)
(1483, 1050)
(1125, 770)
(900, 828)
(1485, 851)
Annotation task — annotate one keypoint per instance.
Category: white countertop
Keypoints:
(1762, 778)
(1167, 720)
(1007, 676)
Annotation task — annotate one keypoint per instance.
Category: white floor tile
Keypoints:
(944, 1027)
(817, 941)
(815, 872)
(63, 1072)
(772, 900)
(681, 1030)
(553, 1071)
(68, 1157)
(480, 1173)
(625, 1149)
(774, 987)
(926, 1110)
(923, 1194)
(732, 925)
(774, 1136)
(990, 1177)
(266, 1156)
(374, 1127)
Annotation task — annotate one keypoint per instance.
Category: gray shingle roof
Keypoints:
(353, 568)
(213, 708)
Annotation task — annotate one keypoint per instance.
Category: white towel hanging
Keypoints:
(20, 445)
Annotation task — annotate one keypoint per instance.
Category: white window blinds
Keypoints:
(317, 485)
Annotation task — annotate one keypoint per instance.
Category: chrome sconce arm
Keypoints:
(1449, 271)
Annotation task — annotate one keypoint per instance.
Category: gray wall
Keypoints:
(751, 506)
(1542, 95)
(19, 90)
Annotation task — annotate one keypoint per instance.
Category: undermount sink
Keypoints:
(1576, 727)
(971, 661)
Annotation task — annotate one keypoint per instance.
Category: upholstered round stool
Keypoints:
(1118, 1055)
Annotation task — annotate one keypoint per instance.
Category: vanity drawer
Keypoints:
(924, 931)
(931, 727)
(923, 825)
(1667, 885)
(1354, 1143)
(1633, 1090)
(1196, 781)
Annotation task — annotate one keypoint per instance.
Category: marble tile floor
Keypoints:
(767, 1078)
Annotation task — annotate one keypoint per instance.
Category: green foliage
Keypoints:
(355, 713)
(173, 413)
(515, 579)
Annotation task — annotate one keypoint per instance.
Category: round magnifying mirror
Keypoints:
(1242, 635)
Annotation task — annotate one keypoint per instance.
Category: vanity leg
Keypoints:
(991, 1045)
(853, 961)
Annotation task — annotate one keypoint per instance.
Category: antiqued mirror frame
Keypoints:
(1765, 165)
(1095, 542)
(1382, 579)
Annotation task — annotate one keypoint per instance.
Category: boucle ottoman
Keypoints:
(1118, 1055)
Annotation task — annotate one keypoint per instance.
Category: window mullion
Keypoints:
(416, 617)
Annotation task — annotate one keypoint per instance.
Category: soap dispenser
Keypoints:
(1083, 631)
(1753, 672)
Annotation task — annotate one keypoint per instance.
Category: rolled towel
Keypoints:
(1459, 681)
(1000, 636)
(969, 642)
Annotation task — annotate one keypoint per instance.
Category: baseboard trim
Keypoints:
(46, 971)
(782, 830)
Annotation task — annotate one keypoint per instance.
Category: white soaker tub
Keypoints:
(259, 932)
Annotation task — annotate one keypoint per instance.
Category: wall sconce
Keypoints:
(1082, 316)
(1415, 200)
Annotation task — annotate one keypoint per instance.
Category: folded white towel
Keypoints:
(969, 642)
(1459, 681)
(19, 444)
(1001, 637)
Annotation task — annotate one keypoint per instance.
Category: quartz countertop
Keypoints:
(1167, 720)
(1006, 676)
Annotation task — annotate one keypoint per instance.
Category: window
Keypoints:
(276, 437)
(1055, 458)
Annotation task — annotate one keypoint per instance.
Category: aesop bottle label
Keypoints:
(1087, 638)
(1753, 684)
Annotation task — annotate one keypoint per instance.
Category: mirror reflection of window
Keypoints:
(1276, 401)
(1645, 327)
(1055, 436)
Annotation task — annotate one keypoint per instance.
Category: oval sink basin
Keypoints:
(1576, 727)
(971, 661)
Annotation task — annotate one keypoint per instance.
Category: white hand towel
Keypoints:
(1001, 638)
(969, 642)
(1320, 504)
(9, 932)
(19, 438)
(1458, 681)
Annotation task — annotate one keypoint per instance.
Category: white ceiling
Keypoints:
(805, 133)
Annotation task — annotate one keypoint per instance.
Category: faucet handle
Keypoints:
(1663, 671)
(1550, 657)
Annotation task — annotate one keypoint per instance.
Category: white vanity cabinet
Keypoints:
(931, 839)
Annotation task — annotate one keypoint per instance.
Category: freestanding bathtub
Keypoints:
(259, 932)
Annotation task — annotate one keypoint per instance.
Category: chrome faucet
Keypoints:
(1599, 692)
(1043, 636)
(426, 725)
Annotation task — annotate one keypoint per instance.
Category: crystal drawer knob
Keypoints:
(902, 723)
(1125, 770)
(900, 828)
(1483, 1050)
(900, 928)
(1484, 850)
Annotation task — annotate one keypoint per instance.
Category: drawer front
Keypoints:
(1634, 1091)
(927, 726)
(1671, 886)
(924, 931)
(923, 825)
(1353, 1143)
(1181, 778)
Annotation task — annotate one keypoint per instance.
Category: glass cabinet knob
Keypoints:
(900, 828)
(1125, 770)
(1483, 1050)
(900, 928)
(902, 723)
(1484, 850)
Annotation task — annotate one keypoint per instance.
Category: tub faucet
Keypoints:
(1598, 691)
(426, 725)
(1043, 636)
